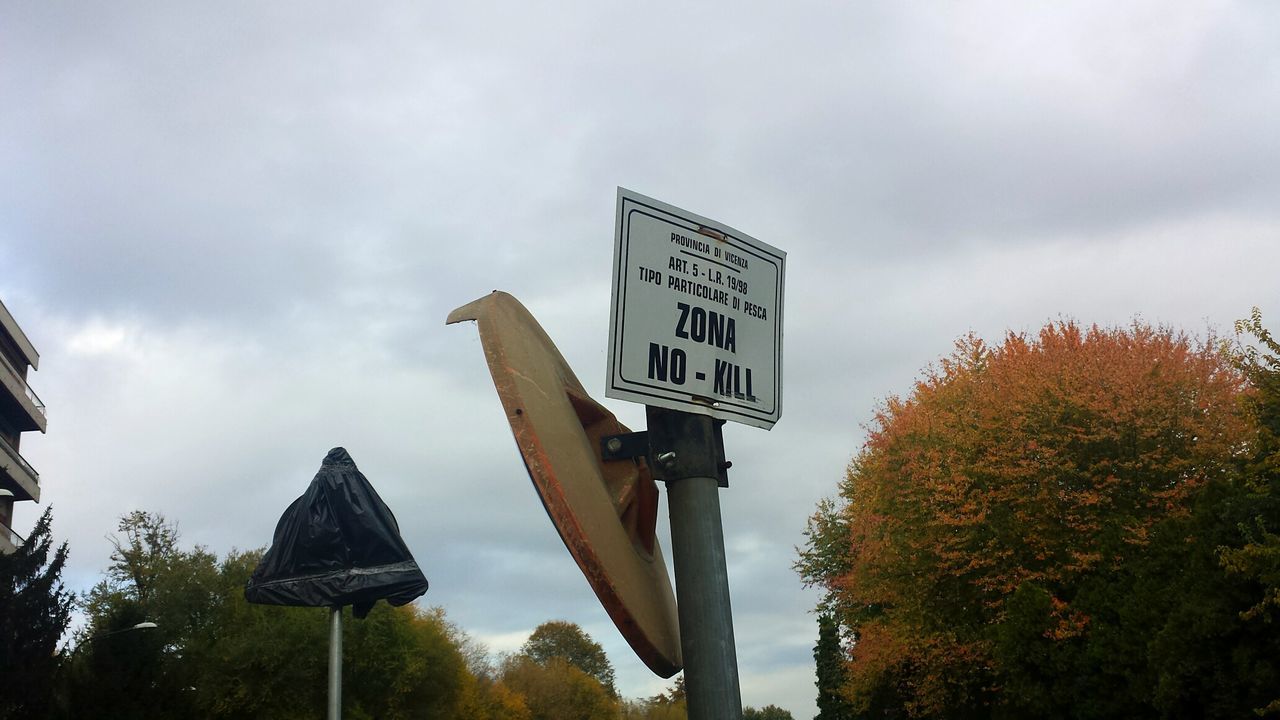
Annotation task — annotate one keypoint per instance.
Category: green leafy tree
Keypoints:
(488, 698)
(565, 640)
(558, 690)
(214, 655)
(258, 660)
(483, 694)
(35, 608)
(1258, 558)
(116, 672)
(768, 712)
(267, 661)
(669, 705)
(828, 552)
(650, 710)
(1034, 532)
(404, 664)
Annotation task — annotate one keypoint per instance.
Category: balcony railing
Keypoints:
(17, 457)
(31, 394)
(7, 534)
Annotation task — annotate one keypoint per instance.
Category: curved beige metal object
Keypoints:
(605, 513)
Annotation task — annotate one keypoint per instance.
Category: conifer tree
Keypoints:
(829, 659)
(35, 608)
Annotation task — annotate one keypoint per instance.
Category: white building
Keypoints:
(20, 411)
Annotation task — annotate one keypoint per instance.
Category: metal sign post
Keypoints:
(335, 663)
(695, 333)
(687, 452)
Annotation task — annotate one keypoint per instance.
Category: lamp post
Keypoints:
(144, 625)
(65, 670)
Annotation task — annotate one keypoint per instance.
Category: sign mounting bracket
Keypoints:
(625, 446)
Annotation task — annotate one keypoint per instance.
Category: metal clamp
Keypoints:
(666, 462)
(625, 446)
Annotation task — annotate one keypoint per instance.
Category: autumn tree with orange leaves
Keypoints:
(1035, 530)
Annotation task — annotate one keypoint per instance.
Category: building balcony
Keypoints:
(20, 403)
(17, 475)
(7, 537)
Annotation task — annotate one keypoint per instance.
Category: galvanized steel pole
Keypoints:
(688, 454)
(335, 663)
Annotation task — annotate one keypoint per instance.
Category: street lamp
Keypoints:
(71, 660)
(144, 625)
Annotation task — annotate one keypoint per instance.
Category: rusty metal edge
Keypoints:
(550, 491)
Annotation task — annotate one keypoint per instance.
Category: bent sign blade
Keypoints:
(605, 512)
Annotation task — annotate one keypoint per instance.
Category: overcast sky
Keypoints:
(233, 231)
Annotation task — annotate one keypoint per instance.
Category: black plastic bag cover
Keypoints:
(337, 545)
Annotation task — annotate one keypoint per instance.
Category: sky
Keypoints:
(234, 230)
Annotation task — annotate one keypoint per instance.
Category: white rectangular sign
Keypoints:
(696, 318)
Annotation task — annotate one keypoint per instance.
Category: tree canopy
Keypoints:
(212, 654)
(1040, 530)
(569, 642)
(1258, 559)
(555, 689)
(204, 651)
(669, 705)
(768, 712)
(563, 673)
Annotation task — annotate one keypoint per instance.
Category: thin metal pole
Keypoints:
(688, 453)
(335, 663)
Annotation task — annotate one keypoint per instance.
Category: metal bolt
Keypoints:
(614, 445)
(666, 459)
